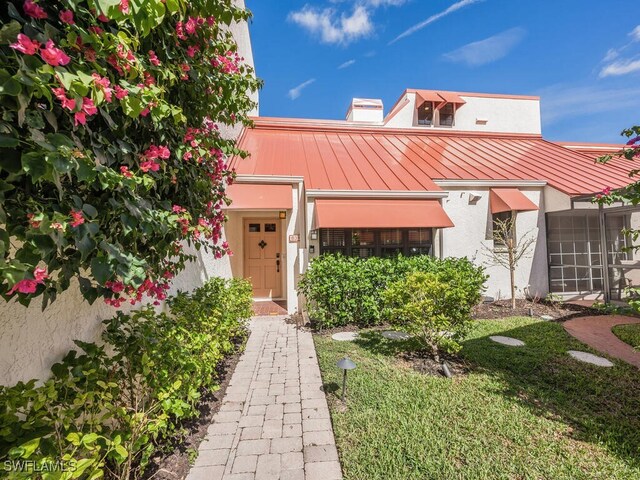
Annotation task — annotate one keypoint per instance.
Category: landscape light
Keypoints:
(345, 364)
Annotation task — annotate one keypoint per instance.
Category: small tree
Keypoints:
(436, 311)
(507, 251)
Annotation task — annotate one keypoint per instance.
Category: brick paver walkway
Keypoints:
(596, 332)
(274, 422)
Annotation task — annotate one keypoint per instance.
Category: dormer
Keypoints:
(435, 110)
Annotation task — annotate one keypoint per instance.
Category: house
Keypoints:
(429, 177)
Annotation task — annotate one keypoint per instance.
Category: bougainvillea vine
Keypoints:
(112, 156)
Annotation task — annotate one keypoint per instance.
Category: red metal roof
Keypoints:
(510, 199)
(330, 213)
(344, 156)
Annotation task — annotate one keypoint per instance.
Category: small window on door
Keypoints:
(425, 114)
(269, 227)
(254, 227)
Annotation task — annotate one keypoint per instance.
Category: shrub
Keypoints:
(105, 415)
(434, 307)
(343, 290)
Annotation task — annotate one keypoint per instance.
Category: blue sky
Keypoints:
(581, 56)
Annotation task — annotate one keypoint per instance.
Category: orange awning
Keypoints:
(427, 96)
(451, 97)
(255, 196)
(362, 213)
(509, 199)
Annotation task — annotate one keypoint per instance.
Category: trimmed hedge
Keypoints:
(104, 415)
(343, 290)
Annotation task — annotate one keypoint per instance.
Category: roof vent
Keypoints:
(366, 110)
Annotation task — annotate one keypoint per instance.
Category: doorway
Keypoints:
(263, 263)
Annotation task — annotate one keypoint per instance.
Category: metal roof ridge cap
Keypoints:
(415, 194)
(381, 129)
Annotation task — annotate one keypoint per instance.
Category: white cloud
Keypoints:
(295, 92)
(434, 18)
(346, 64)
(333, 28)
(620, 67)
(560, 102)
(635, 34)
(385, 3)
(487, 50)
(611, 54)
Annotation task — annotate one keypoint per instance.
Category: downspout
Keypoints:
(603, 253)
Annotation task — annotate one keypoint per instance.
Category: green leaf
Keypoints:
(34, 164)
(11, 87)
(7, 141)
(30, 447)
(90, 210)
(9, 32)
(101, 270)
(172, 5)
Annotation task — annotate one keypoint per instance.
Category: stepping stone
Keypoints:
(392, 335)
(345, 336)
(546, 317)
(512, 342)
(590, 358)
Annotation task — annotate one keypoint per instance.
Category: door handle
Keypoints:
(277, 266)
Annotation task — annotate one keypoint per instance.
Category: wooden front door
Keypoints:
(263, 263)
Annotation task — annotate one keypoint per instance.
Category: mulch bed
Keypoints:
(175, 463)
(524, 308)
(426, 365)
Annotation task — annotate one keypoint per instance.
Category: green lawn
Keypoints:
(628, 334)
(521, 413)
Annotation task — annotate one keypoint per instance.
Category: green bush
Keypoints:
(343, 290)
(105, 415)
(434, 307)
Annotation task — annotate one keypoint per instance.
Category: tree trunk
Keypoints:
(512, 273)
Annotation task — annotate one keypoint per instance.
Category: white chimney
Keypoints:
(366, 110)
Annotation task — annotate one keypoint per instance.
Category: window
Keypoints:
(425, 114)
(365, 243)
(500, 221)
(446, 115)
(254, 227)
(269, 227)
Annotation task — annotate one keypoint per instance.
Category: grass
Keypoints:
(628, 334)
(520, 413)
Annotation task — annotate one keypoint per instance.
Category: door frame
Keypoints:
(279, 249)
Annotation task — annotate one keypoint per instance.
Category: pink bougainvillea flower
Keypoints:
(145, 112)
(96, 29)
(61, 95)
(190, 26)
(149, 79)
(77, 218)
(153, 58)
(79, 118)
(633, 141)
(121, 92)
(33, 10)
(54, 56)
(606, 191)
(66, 16)
(187, 155)
(211, 21)
(57, 226)
(26, 45)
(28, 285)
(149, 165)
(103, 18)
(90, 54)
(32, 222)
(88, 106)
(124, 170)
(154, 152)
(178, 209)
(124, 6)
(192, 50)
(103, 84)
(180, 31)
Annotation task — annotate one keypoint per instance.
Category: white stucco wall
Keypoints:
(32, 340)
(511, 115)
(471, 237)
